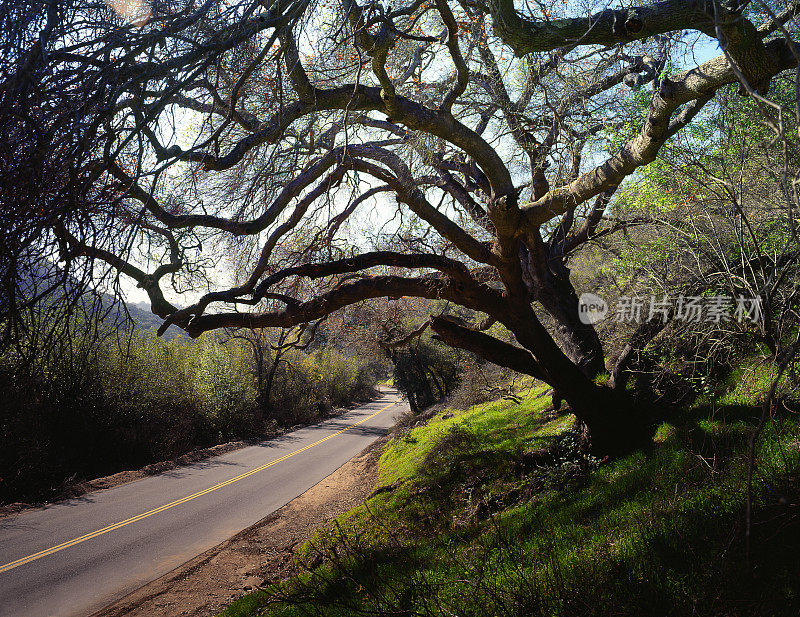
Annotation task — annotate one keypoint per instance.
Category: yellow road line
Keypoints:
(177, 502)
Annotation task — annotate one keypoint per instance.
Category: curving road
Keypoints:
(75, 557)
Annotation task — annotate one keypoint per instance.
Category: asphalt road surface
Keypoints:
(75, 557)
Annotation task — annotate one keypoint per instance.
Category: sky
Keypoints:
(704, 49)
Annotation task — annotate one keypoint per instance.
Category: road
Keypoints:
(75, 557)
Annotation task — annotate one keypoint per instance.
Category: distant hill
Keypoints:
(144, 319)
(37, 277)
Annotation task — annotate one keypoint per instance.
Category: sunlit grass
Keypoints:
(655, 532)
(506, 424)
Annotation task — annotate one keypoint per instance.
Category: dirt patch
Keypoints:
(260, 554)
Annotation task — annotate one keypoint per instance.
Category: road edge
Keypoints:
(80, 489)
(163, 585)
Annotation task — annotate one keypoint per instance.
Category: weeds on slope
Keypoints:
(495, 512)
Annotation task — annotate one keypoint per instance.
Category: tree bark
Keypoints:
(612, 422)
(547, 279)
(579, 341)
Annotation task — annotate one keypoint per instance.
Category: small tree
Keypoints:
(267, 352)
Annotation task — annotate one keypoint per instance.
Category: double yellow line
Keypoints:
(177, 502)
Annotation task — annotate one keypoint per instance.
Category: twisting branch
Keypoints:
(405, 340)
(694, 85)
(462, 71)
(488, 347)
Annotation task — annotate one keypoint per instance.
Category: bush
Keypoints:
(122, 400)
(426, 372)
(308, 386)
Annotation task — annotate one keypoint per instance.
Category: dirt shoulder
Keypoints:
(262, 553)
(71, 490)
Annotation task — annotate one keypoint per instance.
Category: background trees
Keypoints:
(109, 400)
(270, 129)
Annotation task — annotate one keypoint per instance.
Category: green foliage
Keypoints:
(426, 371)
(123, 400)
(341, 376)
(218, 372)
(479, 523)
(308, 385)
(736, 141)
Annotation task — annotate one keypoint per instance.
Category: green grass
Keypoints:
(473, 526)
(503, 424)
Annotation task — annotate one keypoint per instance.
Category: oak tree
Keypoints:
(488, 136)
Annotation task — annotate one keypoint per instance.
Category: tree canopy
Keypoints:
(160, 138)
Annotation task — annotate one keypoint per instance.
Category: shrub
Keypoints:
(426, 372)
(107, 401)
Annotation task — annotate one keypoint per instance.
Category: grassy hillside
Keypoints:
(493, 511)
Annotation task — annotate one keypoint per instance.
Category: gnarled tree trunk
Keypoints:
(579, 340)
